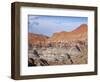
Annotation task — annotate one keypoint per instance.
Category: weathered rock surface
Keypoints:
(62, 48)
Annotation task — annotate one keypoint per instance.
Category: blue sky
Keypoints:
(47, 25)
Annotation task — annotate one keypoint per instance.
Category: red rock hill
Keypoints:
(78, 34)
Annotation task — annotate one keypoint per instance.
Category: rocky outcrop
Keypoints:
(32, 38)
(62, 48)
(36, 40)
(78, 34)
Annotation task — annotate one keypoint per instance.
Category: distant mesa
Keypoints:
(81, 28)
(32, 37)
(79, 33)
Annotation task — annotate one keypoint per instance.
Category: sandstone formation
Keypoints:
(62, 48)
